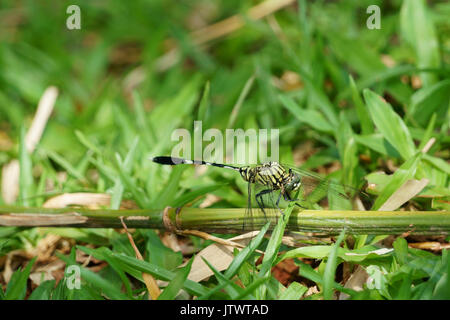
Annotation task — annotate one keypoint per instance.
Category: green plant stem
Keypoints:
(231, 220)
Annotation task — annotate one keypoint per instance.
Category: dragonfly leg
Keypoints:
(287, 197)
(278, 202)
(260, 200)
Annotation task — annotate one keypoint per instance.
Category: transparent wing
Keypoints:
(262, 207)
(315, 187)
(248, 219)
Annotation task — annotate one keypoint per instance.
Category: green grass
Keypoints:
(346, 106)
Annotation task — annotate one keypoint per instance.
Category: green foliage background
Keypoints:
(103, 131)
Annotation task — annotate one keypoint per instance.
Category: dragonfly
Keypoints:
(273, 177)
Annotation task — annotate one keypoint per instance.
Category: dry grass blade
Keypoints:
(355, 282)
(82, 199)
(223, 28)
(10, 181)
(11, 171)
(236, 22)
(428, 145)
(85, 199)
(207, 236)
(430, 245)
(220, 255)
(44, 110)
(406, 192)
(150, 282)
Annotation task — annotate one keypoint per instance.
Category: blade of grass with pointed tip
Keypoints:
(416, 26)
(294, 292)
(17, 286)
(312, 118)
(158, 253)
(145, 127)
(275, 242)
(177, 283)
(231, 288)
(273, 247)
(390, 124)
(104, 169)
(101, 254)
(86, 142)
(60, 292)
(438, 163)
(204, 103)
(320, 100)
(67, 166)
(139, 196)
(118, 188)
(428, 132)
(429, 100)
(404, 291)
(214, 291)
(95, 280)
(347, 150)
(245, 90)
(160, 273)
(168, 193)
(442, 288)
(123, 266)
(187, 197)
(376, 77)
(308, 272)
(377, 143)
(245, 253)
(25, 174)
(330, 268)
(361, 109)
(406, 171)
(44, 291)
(252, 287)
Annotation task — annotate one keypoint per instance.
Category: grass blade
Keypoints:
(203, 109)
(17, 285)
(273, 247)
(160, 273)
(406, 171)
(330, 268)
(26, 176)
(245, 253)
(416, 26)
(44, 291)
(361, 109)
(294, 292)
(231, 288)
(171, 291)
(312, 118)
(390, 124)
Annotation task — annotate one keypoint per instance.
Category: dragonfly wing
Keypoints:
(248, 219)
(316, 186)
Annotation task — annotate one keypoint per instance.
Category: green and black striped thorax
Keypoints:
(271, 174)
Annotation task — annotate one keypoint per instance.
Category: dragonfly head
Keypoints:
(294, 182)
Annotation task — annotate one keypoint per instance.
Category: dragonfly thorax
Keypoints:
(271, 174)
